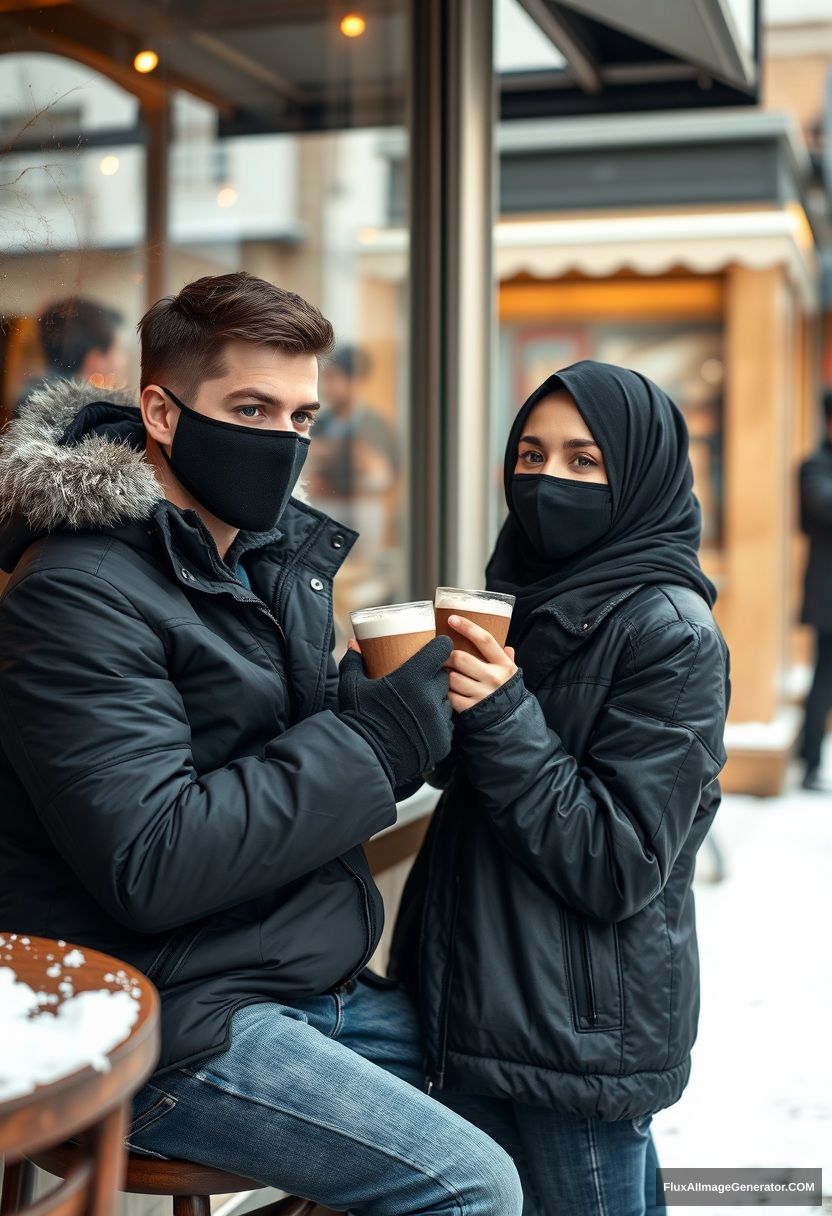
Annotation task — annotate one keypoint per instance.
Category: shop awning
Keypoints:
(599, 246)
(640, 55)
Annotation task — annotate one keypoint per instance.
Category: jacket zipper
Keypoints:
(590, 985)
(166, 960)
(368, 917)
(437, 1081)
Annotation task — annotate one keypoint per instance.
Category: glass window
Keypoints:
(286, 140)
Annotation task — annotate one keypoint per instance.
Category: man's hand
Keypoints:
(404, 716)
(473, 679)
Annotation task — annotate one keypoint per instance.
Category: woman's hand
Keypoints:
(473, 679)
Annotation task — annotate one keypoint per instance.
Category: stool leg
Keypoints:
(191, 1205)
(18, 1187)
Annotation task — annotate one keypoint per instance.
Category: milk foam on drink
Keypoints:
(392, 619)
(392, 634)
(454, 599)
(491, 610)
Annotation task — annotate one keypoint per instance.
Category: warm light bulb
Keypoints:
(146, 61)
(109, 165)
(353, 25)
(226, 197)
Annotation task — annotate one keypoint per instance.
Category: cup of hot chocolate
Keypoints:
(391, 634)
(491, 610)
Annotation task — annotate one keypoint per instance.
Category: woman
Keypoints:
(547, 929)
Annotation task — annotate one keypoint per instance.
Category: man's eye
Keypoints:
(245, 408)
(304, 416)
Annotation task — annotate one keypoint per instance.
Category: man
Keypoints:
(816, 522)
(357, 462)
(185, 782)
(361, 453)
(80, 340)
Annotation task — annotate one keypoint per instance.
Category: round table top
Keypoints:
(59, 971)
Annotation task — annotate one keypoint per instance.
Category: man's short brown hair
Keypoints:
(183, 336)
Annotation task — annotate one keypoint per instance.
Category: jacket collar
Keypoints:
(187, 547)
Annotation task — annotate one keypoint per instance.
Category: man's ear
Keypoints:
(157, 414)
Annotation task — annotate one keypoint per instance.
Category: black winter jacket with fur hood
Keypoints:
(172, 768)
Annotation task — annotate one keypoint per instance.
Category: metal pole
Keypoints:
(452, 116)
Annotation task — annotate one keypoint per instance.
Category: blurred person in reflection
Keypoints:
(816, 522)
(186, 778)
(357, 458)
(547, 928)
(80, 340)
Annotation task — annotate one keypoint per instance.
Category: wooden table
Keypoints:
(89, 1103)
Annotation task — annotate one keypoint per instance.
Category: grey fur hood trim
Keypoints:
(96, 483)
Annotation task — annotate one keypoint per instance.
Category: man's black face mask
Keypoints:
(243, 475)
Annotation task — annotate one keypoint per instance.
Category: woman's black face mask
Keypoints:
(243, 475)
(559, 516)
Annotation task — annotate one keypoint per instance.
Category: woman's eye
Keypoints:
(531, 457)
(584, 462)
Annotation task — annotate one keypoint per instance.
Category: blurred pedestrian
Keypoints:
(547, 928)
(816, 522)
(80, 340)
(356, 465)
(359, 450)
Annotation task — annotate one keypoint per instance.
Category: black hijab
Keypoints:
(656, 518)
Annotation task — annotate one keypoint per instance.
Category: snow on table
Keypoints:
(47, 1035)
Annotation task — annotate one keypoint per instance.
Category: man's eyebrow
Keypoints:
(267, 398)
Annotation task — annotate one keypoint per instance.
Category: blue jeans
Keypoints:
(571, 1166)
(322, 1099)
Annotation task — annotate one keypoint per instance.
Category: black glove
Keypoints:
(406, 716)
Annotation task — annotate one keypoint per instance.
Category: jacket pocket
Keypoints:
(593, 965)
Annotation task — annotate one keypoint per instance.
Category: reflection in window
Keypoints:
(288, 205)
(71, 222)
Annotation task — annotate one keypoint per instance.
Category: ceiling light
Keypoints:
(226, 196)
(353, 25)
(108, 165)
(146, 61)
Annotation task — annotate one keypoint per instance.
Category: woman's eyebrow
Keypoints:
(580, 443)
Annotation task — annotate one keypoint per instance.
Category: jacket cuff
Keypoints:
(499, 704)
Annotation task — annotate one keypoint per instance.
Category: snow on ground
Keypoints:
(761, 1087)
